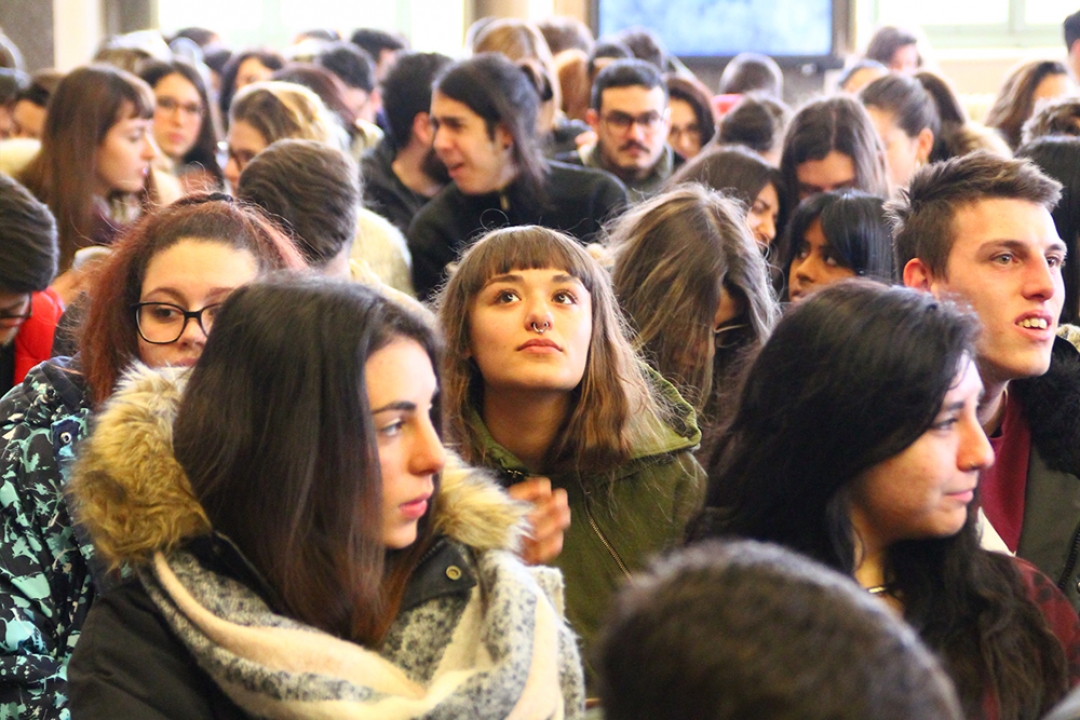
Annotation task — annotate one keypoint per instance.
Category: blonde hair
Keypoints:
(279, 110)
(522, 41)
(612, 406)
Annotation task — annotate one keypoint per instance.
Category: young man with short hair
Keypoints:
(630, 117)
(978, 228)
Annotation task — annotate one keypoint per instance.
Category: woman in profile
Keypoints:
(856, 442)
(297, 549)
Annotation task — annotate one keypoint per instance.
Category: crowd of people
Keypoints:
(347, 380)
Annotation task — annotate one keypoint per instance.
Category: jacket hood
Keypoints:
(134, 499)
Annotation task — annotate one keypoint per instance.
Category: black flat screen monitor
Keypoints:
(791, 31)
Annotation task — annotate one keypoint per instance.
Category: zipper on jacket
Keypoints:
(1070, 563)
(596, 528)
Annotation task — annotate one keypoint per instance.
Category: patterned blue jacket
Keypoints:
(45, 570)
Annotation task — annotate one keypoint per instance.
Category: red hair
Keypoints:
(108, 338)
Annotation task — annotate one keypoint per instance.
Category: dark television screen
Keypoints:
(718, 28)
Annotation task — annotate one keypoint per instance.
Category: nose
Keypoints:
(804, 270)
(767, 228)
(428, 456)
(539, 314)
(193, 335)
(1041, 281)
(149, 150)
(440, 141)
(974, 452)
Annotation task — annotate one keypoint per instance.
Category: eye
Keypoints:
(804, 251)
(564, 297)
(1002, 259)
(165, 313)
(505, 296)
(830, 260)
(1055, 261)
(392, 429)
(210, 313)
(946, 423)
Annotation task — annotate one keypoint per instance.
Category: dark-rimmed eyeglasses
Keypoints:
(171, 105)
(620, 122)
(161, 323)
(10, 319)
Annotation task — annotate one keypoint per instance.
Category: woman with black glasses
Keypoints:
(153, 301)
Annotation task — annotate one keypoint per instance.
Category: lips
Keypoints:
(1037, 324)
(415, 509)
(540, 345)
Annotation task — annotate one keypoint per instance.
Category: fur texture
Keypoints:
(134, 498)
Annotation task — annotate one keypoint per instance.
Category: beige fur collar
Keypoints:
(133, 497)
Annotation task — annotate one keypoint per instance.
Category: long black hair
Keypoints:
(204, 151)
(276, 436)
(849, 378)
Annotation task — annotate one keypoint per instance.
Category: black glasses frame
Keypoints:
(196, 315)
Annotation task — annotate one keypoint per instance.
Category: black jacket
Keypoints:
(127, 646)
(1050, 535)
(579, 201)
(384, 193)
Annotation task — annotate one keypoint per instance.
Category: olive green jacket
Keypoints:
(619, 521)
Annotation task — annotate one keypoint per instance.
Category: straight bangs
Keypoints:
(524, 248)
(140, 102)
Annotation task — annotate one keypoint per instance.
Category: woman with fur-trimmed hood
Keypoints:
(296, 548)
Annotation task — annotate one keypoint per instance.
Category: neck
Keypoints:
(869, 552)
(408, 164)
(525, 422)
(992, 406)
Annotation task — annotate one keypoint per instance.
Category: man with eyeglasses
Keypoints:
(29, 311)
(630, 117)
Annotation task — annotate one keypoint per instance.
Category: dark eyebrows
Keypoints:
(400, 405)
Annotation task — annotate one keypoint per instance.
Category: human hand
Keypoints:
(548, 520)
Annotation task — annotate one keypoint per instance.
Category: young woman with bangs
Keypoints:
(93, 169)
(183, 127)
(834, 236)
(542, 385)
(857, 442)
(309, 557)
(152, 300)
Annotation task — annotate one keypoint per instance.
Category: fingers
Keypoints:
(532, 490)
(548, 520)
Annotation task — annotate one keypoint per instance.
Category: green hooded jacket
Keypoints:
(619, 520)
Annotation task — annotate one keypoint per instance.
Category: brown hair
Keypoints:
(599, 434)
(280, 393)
(286, 110)
(108, 339)
(1016, 99)
(923, 218)
(837, 123)
(84, 107)
(519, 40)
(673, 254)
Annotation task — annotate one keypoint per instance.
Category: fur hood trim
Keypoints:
(134, 499)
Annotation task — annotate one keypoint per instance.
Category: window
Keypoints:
(978, 23)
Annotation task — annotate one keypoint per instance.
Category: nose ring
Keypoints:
(541, 329)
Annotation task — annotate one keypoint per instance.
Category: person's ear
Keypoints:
(917, 275)
(421, 127)
(924, 144)
(503, 138)
(592, 118)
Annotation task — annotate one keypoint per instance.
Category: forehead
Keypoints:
(175, 84)
(991, 220)
(446, 107)
(632, 99)
(242, 136)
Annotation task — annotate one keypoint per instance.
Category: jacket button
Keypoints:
(453, 572)
(65, 438)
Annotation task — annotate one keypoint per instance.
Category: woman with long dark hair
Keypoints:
(183, 125)
(856, 442)
(152, 300)
(905, 117)
(834, 236)
(305, 555)
(1027, 84)
(831, 144)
